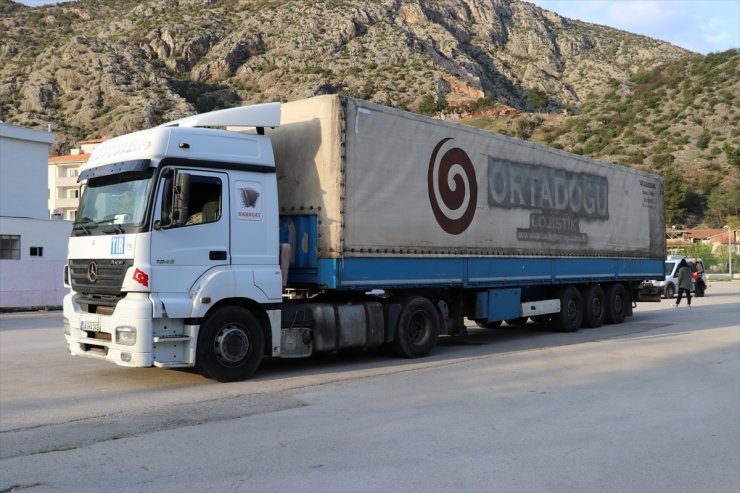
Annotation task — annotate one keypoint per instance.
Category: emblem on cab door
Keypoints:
(249, 207)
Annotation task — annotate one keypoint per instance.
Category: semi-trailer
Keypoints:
(331, 223)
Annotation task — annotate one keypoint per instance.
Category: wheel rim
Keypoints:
(618, 304)
(231, 345)
(572, 311)
(419, 328)
(596, 307)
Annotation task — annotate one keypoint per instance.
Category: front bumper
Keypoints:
(93, 335)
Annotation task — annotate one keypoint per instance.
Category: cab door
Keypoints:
(183, 250)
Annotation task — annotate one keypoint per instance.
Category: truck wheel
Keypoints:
(230, 344)
(571, 310)
(594, 306)
(418, 328)
(488, 325)
(670, 292)
(616, 303)
(517, 321)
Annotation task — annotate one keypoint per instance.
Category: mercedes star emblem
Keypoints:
(92, 272)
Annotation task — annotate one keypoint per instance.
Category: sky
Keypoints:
(702, 26)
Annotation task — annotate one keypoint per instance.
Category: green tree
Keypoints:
(674, 196)
(429, 105)
(723, 206)
(537, 99)
(663, 161)
(733, 154)
(703, 141)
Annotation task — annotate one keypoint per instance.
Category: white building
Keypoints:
(64, 191)
(32, 248)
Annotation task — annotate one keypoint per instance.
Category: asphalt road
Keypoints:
(652, 405)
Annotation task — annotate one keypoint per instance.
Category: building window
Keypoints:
(10, 247)
(37, 251)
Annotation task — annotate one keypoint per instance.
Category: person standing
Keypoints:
(684, 282)
(698, 268)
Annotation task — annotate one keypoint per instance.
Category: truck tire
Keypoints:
(488, 325)
(594, 306)
(230, 344)
(418, 328)
(517, 321)
(670, 291)
(617, 303)
(571, 310)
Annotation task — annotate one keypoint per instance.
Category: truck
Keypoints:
(331, 224)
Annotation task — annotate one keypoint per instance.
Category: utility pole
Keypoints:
(729, 248)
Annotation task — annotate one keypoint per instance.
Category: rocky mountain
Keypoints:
(680, 119)
(96, 68)
(99, 68)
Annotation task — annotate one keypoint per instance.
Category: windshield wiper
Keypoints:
(116, 229)
(78, 225)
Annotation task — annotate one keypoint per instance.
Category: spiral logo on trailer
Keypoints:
(453, 188)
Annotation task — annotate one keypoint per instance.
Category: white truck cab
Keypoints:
(153, 248)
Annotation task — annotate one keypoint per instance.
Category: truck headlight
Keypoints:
(65, 324)
(126, 335)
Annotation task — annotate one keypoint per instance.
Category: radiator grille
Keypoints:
(98, 276)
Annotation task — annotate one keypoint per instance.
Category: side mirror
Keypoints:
(181, 199)
(175, 201)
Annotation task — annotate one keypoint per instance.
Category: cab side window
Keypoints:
(205, 200)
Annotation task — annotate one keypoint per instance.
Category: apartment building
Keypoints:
(64, 190)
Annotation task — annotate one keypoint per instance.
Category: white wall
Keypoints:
(52, 235)
(29, 281)
(34, 281)
(23, 171)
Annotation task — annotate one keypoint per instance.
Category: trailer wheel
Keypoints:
(488, 325)
(617, 303)
(594, 306)
(230, 344)
(571, 310)
(418, 328)
(670, 292)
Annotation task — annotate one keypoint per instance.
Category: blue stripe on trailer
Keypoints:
(369, 273)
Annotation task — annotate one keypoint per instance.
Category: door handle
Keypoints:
(217, 255)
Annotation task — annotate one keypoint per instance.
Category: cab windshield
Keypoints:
(114, 204)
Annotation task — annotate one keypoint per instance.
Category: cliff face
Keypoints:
(98, 68)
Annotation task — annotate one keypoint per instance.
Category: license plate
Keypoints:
(90, 326)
